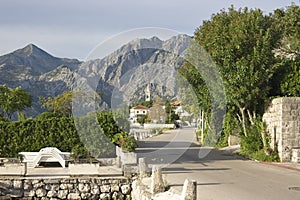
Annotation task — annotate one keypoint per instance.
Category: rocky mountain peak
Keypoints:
(30, 50)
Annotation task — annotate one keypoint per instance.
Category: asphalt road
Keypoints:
(219, 174)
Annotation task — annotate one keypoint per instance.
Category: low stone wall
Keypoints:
(151, 126)
(70, 188)
(126, 158)
(77, 169)
(107, 161)
(13, 169)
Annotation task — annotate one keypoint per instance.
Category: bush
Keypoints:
(262, 156)
(129, 144)
(61, 132)
(253, 147)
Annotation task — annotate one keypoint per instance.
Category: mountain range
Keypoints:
(130, 69)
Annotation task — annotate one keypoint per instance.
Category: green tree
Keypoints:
(171, 117)
(286, 81)
(241, 42)
(61, 105)
(13, 100)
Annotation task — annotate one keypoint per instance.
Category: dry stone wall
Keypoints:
(283, 124)
(69, 188)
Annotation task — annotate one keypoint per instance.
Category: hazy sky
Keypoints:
(72, 28)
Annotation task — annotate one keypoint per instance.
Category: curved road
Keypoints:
(219, 174)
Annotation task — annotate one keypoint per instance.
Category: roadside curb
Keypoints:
(281, 166)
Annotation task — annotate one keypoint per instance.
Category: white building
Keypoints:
(138, 111)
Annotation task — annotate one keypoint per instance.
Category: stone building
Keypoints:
(283, 125)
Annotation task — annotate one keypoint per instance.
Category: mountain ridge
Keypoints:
(42, 74)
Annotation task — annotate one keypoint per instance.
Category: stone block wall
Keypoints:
(283, 124)
(69, 188)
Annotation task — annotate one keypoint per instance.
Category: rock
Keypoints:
(105, 196)
(66, 186)
(125, 189)
(117, 196)
(189, 191)
(85, 195)
(55, 187)
(52, 193)
(35, 182)
(115, 188)
(40, 192)
(105, 188)
(16, 193)
(18, 184)
(84, 187)
(47, 187)
(95, 189)
(143, 169)
(62, 194)
(5, 185)
(157, 184)
(74, 196)
(27, 185)
(128, 197)
(94, 197)
(30, 193)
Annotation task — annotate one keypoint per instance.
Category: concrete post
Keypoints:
(143, 169)
(157, 184)
(118, 161)
(189, 191)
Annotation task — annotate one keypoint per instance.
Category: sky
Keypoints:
(73, 28)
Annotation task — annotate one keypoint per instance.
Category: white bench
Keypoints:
(48, 154)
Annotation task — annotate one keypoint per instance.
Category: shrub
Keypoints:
(129, 144)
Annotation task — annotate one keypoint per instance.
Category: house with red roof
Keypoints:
(138, 111)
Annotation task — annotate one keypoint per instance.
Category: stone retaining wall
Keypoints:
(283, 124)
(69, 188)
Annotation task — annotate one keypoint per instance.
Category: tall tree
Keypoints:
(241, 43)
(13, 100)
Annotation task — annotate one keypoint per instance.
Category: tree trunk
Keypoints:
(251, 117)
(242, 110)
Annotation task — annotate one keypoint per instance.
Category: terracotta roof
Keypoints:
(140, 107)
